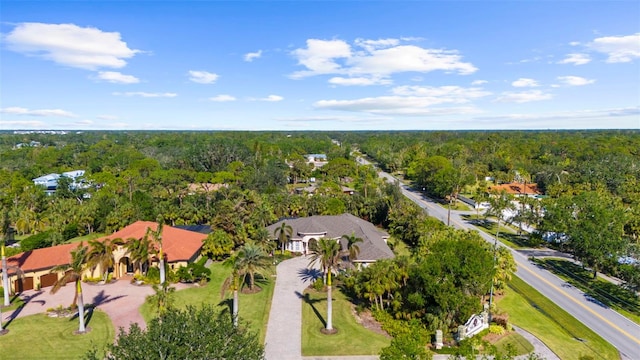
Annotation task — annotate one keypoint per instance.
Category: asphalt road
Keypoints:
(609, 324)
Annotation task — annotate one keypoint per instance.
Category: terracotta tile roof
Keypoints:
(178, 244)
(517, 189)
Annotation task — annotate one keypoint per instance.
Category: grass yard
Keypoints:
(41, 337)
(521, 345)
(624, 301)
(86, 238)
(351, 339)
(561, 332)
(253, 308)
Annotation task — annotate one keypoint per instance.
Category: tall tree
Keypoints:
(101, 255)
(252, 260)
(73, 273)
(283, 233)
(232, 283)
(139, 251)
(351, 247)
(156, 238)
(327, 254)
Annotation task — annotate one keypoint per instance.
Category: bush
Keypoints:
(496, 329)
(185, 334)
(318, 285)
(37, 241)
(193, 272)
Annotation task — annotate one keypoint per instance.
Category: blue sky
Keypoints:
(319, 65)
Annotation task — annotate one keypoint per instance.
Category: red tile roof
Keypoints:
(517, 189)
(178, 245)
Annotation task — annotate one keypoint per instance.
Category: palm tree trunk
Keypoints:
(161, 264)
(329, 303)
(5, 279)
(235, 307)
(251, 281)
(81, 328)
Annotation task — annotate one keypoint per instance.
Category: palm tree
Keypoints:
(5, 274)
(232, 283)
(283, 233)
(139, 250)
(73, 272)
(162, 300)
(252, 260)
(327, 253)
(352, 250)
(156, 237)
(101, 254)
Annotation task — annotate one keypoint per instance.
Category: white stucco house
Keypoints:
(307, 229)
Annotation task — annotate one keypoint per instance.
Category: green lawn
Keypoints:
(561, 332)
(521, 345)
(351, 339)
(622, 300)
(41, 337)
(86, 238)
(254, 308)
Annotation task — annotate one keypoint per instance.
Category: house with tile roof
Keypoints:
(307, 229)
(517, 189)
(180, 247)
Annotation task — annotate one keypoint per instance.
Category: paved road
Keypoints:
(613, 327)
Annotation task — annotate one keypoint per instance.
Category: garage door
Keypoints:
(23, 284)
(48, 280)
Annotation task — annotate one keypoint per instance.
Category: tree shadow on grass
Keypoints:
(309, 275)
(227, 308)
(311, 302)
(26, 299)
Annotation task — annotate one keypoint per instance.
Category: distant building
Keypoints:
(317, 160)
(517, 189)
(50, 181)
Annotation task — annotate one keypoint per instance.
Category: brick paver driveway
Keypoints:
(120, 300)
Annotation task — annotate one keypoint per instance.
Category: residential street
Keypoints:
(613, 327)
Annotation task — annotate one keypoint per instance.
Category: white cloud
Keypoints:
(319, 57)
(575, 80)
(23, 124)
(145, 94)
(618, 48)
(117, 77)
(576, 59)
(574, 43)
(222, 98)
(249, 57)
(374, 59)
(442, 94)
(523, 97)
(524, 82)
(202, 77)
(478, 82)
(358, 81)
(70, 45)
(40, 112)
(108, 117)
(583, 119)
(272, 98)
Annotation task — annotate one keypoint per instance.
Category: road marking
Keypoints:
(578, 302)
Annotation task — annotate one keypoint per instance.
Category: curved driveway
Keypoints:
(120, 300)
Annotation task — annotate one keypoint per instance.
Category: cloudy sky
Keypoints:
(319, 65)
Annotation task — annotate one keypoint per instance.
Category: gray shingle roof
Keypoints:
(372, 247)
